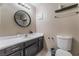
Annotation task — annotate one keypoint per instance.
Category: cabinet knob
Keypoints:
(52, 38)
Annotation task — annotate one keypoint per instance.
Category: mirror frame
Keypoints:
(21, 24)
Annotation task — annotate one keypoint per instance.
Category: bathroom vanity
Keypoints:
(22, 46)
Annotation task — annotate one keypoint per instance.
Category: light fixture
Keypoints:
(25, 5)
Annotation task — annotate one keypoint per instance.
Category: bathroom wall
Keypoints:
(7, 23)
(51, 26)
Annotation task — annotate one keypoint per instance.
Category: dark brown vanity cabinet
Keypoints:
(28, 48)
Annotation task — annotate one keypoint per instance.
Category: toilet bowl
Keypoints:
(61, 52)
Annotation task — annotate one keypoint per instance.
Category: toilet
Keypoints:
(64, 44)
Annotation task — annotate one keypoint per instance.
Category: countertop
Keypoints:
(12, 40)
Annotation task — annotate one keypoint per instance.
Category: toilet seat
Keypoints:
(60, 52)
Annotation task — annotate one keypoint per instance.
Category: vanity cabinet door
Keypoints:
(40, 43)
(15, 49)
(30, 42)
(12, 50)
(32, 50)
(17, 53)
(2, 52)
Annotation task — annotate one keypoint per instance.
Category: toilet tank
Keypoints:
(64, 42)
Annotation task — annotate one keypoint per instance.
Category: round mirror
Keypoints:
(22, 18)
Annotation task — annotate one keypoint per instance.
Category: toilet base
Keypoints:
(53, 51)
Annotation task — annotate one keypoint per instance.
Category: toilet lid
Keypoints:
(60, 52)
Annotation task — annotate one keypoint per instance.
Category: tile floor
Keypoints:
(44, 53)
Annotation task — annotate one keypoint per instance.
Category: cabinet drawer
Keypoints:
(14, 48)
(28, 43)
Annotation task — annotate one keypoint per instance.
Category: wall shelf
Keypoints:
(66, 8)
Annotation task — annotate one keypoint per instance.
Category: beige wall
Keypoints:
(50, 26)
(7, 23)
